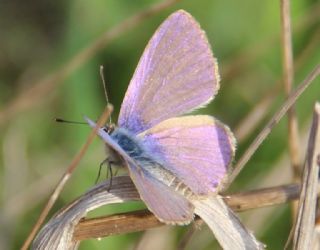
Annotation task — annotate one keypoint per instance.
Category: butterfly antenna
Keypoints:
(68, 121)
(105, 88)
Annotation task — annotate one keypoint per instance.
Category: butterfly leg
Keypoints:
(109, 170)
(105, 161)
(111, 175)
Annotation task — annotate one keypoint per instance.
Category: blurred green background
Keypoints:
(39, 38)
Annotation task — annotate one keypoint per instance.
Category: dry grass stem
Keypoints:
(288, 79)
(57, 190)
(305, 224)
(273, 121)
(142, 220)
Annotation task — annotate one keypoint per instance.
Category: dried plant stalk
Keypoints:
(288, 79)
(305, 224)
(142, 220)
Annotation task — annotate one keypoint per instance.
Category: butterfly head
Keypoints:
(109, 128)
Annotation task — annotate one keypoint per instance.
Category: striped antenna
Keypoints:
(105, 89)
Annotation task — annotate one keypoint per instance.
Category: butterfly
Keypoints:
(172, 158)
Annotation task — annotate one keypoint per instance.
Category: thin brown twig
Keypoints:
(32, 95)
(57, 190)
(273, 121)
(142, 220)
(288, 79)
(305, 221)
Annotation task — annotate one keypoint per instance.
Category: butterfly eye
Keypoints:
(109, 128)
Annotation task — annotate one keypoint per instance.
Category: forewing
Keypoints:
(176, 74)
(198, 150)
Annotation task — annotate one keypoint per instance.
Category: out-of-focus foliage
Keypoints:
(38, 38)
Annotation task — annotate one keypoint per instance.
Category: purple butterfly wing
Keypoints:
(198, 150)
(176, 74)
(168, 205)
